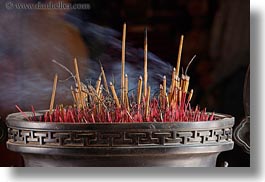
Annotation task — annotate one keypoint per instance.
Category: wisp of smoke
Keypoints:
(110, 55)
(34, 38)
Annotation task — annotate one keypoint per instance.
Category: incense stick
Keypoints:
(123, 62)
(98, 83)
(177, 82)
(179, 55)
(167, 101)
(164, 91)
(139, 90)
(114, 95)
(164, 86)
(179, 97)
(99, 98)
(185, 80)
(161, 94)
(145, 62)
(126, 93)
(24, 114)
(172, 86)
(78, 83)
(190, 95)
(73, 94)
(173, 76)
(147, 101)
(53, 92)
(104, 79)
(126, 84)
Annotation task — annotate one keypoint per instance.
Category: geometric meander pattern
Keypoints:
(118, 138)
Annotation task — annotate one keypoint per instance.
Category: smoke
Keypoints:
(106, 44)
(30, 40)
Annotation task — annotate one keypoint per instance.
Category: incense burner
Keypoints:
(178, 144)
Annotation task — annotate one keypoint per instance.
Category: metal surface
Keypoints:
(179, 144)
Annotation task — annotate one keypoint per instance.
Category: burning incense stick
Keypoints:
(98, 83)
(77, 98)
(185, 83)
(53, 92)
(126, 84)
(104, 79)
(123, 62)
(78, 84)
(179, 55)
(147, 101)
(190, 95)
(164, 86)
(84, 94)
(99, 99)
(127, 104)
(164, 92)
(73, 94)
(167, 100)
(139, 90)
(161, 94)
(172, 86)
(177, 80)
(173, 76)
(114, 95)
(145, 62)
(179, 97)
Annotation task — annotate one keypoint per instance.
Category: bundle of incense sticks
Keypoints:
(101, 104)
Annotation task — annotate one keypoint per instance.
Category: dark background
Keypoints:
(216, 31)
